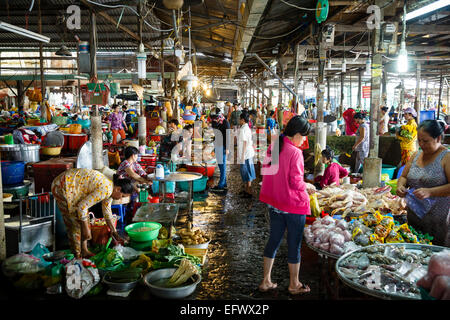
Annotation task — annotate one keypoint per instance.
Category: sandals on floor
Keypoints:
(300, 290)
(274, 286)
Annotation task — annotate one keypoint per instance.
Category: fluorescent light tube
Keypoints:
(428, 8)
(23, 32)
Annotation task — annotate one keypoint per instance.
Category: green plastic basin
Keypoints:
(143, 236)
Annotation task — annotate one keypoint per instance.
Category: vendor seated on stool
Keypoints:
(333, 172)
(172, 139)
(131, 169)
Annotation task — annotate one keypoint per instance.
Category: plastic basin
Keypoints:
(143, 236)
(170, 186)
(199, 185)
(201, 169)
(388, 169)
(13, 172)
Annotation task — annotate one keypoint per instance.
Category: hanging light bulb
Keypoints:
(142, 62)
(402, 59)
(208, 92)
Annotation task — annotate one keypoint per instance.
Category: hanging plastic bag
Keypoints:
(418, 206)
(314, 204)
(127, 253)
(81, 277)
(38, 251)
(21, 263)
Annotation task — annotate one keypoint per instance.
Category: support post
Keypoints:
(20, 93)
(440, 96)
(41, 60)
(384, 89)
(96, 120)
(417, 100)
(321, 127)
(359, 104)
(372, 164)
(2, 223)
(142, 128)
(341, 106)
(328, 105)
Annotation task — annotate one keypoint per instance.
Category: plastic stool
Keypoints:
(121, 211)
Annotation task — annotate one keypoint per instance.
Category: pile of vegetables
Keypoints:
(184, 272)
(373, 228)
(190, 236)
(107, 259)
(170, 257)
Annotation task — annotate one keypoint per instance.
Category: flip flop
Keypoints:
(302, 289)
(274, 286)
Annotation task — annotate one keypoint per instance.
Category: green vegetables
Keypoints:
(406, 134)
(107, 258)
(170, 257)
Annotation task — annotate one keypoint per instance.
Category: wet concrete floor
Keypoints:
(239, 229)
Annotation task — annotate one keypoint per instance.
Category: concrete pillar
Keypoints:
(372, 172)
(359, 89)
(384, 89)
(142, 130)
(321, 127)
(372, 164)
(97, 142)
(341, 105)
(2, 223)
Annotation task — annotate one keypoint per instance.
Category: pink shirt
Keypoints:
(285, 189)
(332, 174)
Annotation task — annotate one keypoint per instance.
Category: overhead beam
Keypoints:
(414, 28)
(113, 21)
(364, 48)
(254, 10)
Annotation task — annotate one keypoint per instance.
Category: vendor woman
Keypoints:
(408, 135)
(77, 190)
(427, 174)
(333, 171)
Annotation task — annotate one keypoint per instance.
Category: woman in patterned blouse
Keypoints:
(77, 190)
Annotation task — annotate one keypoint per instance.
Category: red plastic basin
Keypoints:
(201, 169)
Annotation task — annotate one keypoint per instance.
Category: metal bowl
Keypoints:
(169, 293)
(121, 286)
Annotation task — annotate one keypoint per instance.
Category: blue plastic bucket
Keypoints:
(13, 172)
(199, 185)
(388, 169)
(170, 187)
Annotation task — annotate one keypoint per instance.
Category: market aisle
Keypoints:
(239, 229)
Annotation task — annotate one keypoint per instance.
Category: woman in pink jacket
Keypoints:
(287, 196)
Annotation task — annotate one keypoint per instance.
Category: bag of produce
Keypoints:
(419, 206)
(81, 277)
(127, 253)
(314, 203)
(108, 259)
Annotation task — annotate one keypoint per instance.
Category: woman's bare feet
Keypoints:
(300, 289)
(266, 286)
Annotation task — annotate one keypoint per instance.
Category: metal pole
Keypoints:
(142, 130)
(417, 100)
(41, 61)
(273, 73)
(359, 88)
(440, 96)
(251, 80)
(2, 223)
(321, 127)
(341, 107)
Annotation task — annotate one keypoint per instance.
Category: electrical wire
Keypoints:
(275, 37)
(130, 8)
(301, 8)
(32, 5)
